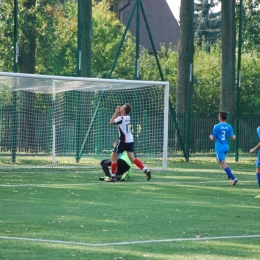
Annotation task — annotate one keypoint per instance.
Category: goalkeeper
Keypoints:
(123, 169)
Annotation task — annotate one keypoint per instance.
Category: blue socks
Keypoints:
(230, 174)
(258, 178)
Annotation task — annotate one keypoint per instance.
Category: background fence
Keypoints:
(40, 134)
(202, 126)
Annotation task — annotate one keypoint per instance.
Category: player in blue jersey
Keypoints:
(126, 141)
(220, 134)
(257, 163)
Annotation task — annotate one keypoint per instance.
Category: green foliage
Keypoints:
(107, 34)
(250, 91)
(168, 62)
(207, 24)
(50, 29)
(63, 58)
(6, 36)
(55, 31)
(207, 67)
(250, 24)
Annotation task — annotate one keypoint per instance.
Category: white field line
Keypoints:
(118, 183)
(128, 242)
(85, 170)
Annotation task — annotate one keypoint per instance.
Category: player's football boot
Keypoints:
(148, 174)
(111, 179)
(234, 182)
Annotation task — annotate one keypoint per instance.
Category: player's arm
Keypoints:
(116, 114)
(233, 137)
(255, 148)
(214, 134)
(212, 138)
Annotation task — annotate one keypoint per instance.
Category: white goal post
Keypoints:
(62, 121)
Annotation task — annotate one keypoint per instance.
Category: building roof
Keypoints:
(162, 23)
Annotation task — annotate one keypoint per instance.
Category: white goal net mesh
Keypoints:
(64, 121)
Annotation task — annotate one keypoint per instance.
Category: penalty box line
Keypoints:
(130, 242)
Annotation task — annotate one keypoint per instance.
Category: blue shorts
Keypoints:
(221, 156)
(257, 163)
(121, 147)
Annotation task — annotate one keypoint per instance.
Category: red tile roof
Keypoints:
(162, 23)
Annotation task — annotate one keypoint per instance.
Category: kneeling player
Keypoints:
(123, 168)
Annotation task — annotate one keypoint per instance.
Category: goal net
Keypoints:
(64, 121)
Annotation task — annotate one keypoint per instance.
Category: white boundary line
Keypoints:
(130, 242)
(118, 183)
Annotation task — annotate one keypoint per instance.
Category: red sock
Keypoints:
(138, 163)
(113, 167)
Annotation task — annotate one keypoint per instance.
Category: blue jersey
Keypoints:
(258, 158)
(221, 132)
(258, 132)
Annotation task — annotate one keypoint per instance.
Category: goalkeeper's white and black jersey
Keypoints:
(124, 130)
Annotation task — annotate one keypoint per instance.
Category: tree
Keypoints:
(251, 25)
(227, 92)
(183, 57)
(207, 68)
(207, 24)
(28, 37)
(6, 39)
(107, 34)
(86, 36)
(27, 65)
(168, 61)
(250, 84)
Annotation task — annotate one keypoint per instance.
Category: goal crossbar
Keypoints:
(64, 83)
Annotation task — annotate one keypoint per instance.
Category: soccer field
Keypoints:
(190, 211)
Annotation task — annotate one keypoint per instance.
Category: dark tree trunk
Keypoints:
(228, 75)
(183, 58)
(85, 14)
(27, 65)
(86, 40)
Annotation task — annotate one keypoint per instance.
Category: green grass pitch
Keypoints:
(190, 211)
